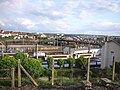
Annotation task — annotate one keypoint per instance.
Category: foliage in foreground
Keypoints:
(32, 66)
(81, 62)
(49, 61)
(60, 62)
(6, 62)
(71, 62)
(48, 73)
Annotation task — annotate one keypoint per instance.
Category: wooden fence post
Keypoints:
(12, 77)
(53, 72)
(113, 70)
(19, 75)
(28, 75)
(88, 70)
(88, 67)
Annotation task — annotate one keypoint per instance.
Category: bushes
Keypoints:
(49, 61)
(64, 72)
(117, 67)
(81, 62)
(60, 62)
(20, 55)
(66, 81)
(77, 73)
(43, 82)
(96, 72)
(33, 67)
(71, 62)
(7, 62)
(48, 73)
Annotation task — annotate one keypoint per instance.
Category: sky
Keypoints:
(97, 17)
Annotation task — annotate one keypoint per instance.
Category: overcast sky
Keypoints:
(61, 16)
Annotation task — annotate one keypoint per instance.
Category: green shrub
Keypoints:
(71, 62)
(49, 61)
(33, 67)
(5, 82)
(43, 82)
(66, 81)
(81, 62)
(60, 62)
(117, 67)
(48, 73)
(20, 55)
(6, 62)
(77, 73)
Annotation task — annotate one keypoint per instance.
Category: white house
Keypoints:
(110, 50)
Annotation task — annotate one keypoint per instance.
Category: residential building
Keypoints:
(110, 51)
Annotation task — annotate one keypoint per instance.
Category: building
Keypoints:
(5, 34)
(92, 53)
(110, 51)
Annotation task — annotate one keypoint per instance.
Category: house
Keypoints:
(14, 33)
(41, 35)
(110, 51)
(8, 33)
(5, 34)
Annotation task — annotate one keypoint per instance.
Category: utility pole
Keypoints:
(57, 39)
(37, 50)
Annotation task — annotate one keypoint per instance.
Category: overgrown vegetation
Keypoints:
(32, 66)
(60, 62)
(74, 74)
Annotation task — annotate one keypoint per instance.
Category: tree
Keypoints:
(7, 62)
(71, 62)
(20, 55)
(49, 61)
(81, 62)
(48, 73)
(33, 67)
(60, 62)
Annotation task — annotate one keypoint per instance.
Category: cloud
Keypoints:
(26, 23)
(108, 5)
(104, 27)
(11, 8)
(68, 16)
(60, 26)
(2, 23)
(56, 10)
(52, 9)
(106, 24)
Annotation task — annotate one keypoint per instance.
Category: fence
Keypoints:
(19, 75)
(11, 78)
